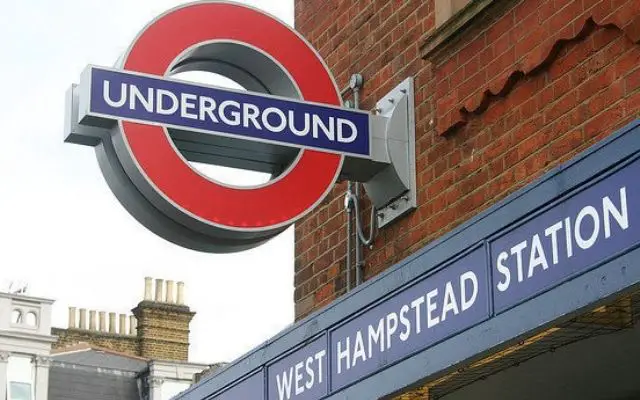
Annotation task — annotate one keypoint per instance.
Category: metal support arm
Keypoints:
(389, 177)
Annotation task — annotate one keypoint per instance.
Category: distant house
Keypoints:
(97, 358)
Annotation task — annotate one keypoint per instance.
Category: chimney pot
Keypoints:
(148, 284)
(83, 318)
(159, 287)
(180, 299)
(170, 288)
(123, 324)
(112, 322)
(102, 321)
(72, 318)
(92, 320)
(133, 325)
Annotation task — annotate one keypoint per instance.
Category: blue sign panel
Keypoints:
(435, 308)
(130, 96)
(249, 389)
(302, 375)
(568, 239)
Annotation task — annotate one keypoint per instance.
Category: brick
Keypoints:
(632, 81)
(546, 105)
(604, 121)
(565, 15)
(560, 107)
(566, 144)
(633, 104)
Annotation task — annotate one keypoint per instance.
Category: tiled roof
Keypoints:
(83, 372)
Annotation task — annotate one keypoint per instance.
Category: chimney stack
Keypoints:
(83, 318)
(158, 328)
(102, 321)
(72, 318)
(112, 322)
(169, 296)
(148, 284)
(180, 299)
(123, 324)
(161, 326)
(159, 287)
(92, 320)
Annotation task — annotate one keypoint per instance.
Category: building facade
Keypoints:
(143, 356)
(517, 274)
(505, 91)
(158, 327)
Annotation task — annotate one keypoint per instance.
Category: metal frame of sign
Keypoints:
(613, 273)
(144, 149)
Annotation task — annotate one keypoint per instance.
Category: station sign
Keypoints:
(568, 238)
(146, 126)
(564, 241)
(122, 95)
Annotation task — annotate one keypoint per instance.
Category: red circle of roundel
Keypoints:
(271, 205)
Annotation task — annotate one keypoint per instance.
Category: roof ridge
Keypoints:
(84, 346)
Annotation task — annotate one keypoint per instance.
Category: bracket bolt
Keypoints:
(392, 101)
(404, 91)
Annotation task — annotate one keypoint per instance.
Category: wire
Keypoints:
(373, 226)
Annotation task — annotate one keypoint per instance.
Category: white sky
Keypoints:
(63, 231)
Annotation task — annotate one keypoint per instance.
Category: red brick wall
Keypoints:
(524, 88)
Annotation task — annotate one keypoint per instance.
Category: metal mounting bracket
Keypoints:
(390, 176)
(393, 190)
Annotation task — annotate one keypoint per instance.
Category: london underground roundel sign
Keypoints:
(146, 126)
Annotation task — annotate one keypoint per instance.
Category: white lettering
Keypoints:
(206, 107)
(537, 257)
(405, 322)
(392, 326)
(274, 128)
(160, 95)
(517, 251)
(107, 98)
(233, 118)
(310, 373)
(431, 307)
(620, 215)
(358, 350)
(284, 384)
(450, 303)
(292, 124)
(250, 114)
(299, 389)
(186, 105)
(569, 241)
(416, 306)
(136, 94)
(344, 355)
(468, 302)
(376, 336)
(354, 131)
(502, 257)
(319, 356)
(553, 232)
(327, 130)
(582, 242)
